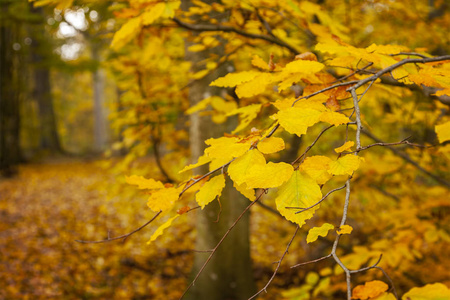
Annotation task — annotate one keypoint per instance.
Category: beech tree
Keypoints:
(368, 103)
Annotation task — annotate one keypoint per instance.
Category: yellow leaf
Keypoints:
(443, 132)
(369, 290)
(299, 191)
(248, 193)
(161, 229)
(144, 183)
(345, 165)
(435, 291)
(443, 92)
(212, 189)
(271, 145)
(253, 87)
(344, 229)
(317, 168)
(260, 63)
(252, 170)
(153, 13)
(233, 79)
(227, 147)
(126, 33)
(239, 168)
(347, 145)
(201, 161)
(246, 115)
(196, 48)
(315, 232)
(171, 6)
(201, 105)
(303, 66)
(385, 296)
(334, 118)
(222, 105)
(163, 199)
(268, 176)
(297, 120)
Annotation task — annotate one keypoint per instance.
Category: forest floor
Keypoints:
(48, 206)
(45, 208)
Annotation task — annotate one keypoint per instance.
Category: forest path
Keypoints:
(45, 208)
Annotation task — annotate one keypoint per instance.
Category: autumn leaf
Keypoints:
(435, 291)
(126, 33)
(443, 132)
(268, 175)
(303, 66)
(347, 145)
(252, 170)
(332, 103)
(344, 229)
(315, 232)
(334, 118)
(369, 290)
(299, 192)
(345, 165)
(248, 193)
(240, 167)
(234, 79)
(260, 63)
(271, 145)
(306, 56)
(297, 120)
(152, 14)
(317, 168)
(210, 190)
(144, 183)
(246, 115)
(161, 229)
(163, 199)
(201, 161)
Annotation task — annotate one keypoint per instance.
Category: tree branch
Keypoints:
(212, 27)
(123, 237)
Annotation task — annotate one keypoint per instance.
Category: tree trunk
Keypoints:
(9, 97)
(100, 129)
(48, 135)
(229, 274)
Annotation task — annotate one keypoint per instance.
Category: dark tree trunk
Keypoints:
(9, 97)
(48, 134)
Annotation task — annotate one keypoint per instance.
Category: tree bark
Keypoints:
(9, 97)
(48, 133)
(229, 274)
(100, 128)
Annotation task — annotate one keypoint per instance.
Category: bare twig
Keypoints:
(264, 289)
(123, 237)
(311, 261)
(222, 28)
(408, 159)
(312, 145)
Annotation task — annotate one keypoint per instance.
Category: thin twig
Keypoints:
(408, 159)
(311, 261)
(312, 145)
(367, 268)
(264, 289)
(124, 237)
(222, 28)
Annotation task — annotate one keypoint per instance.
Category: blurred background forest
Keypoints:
(78, 115)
